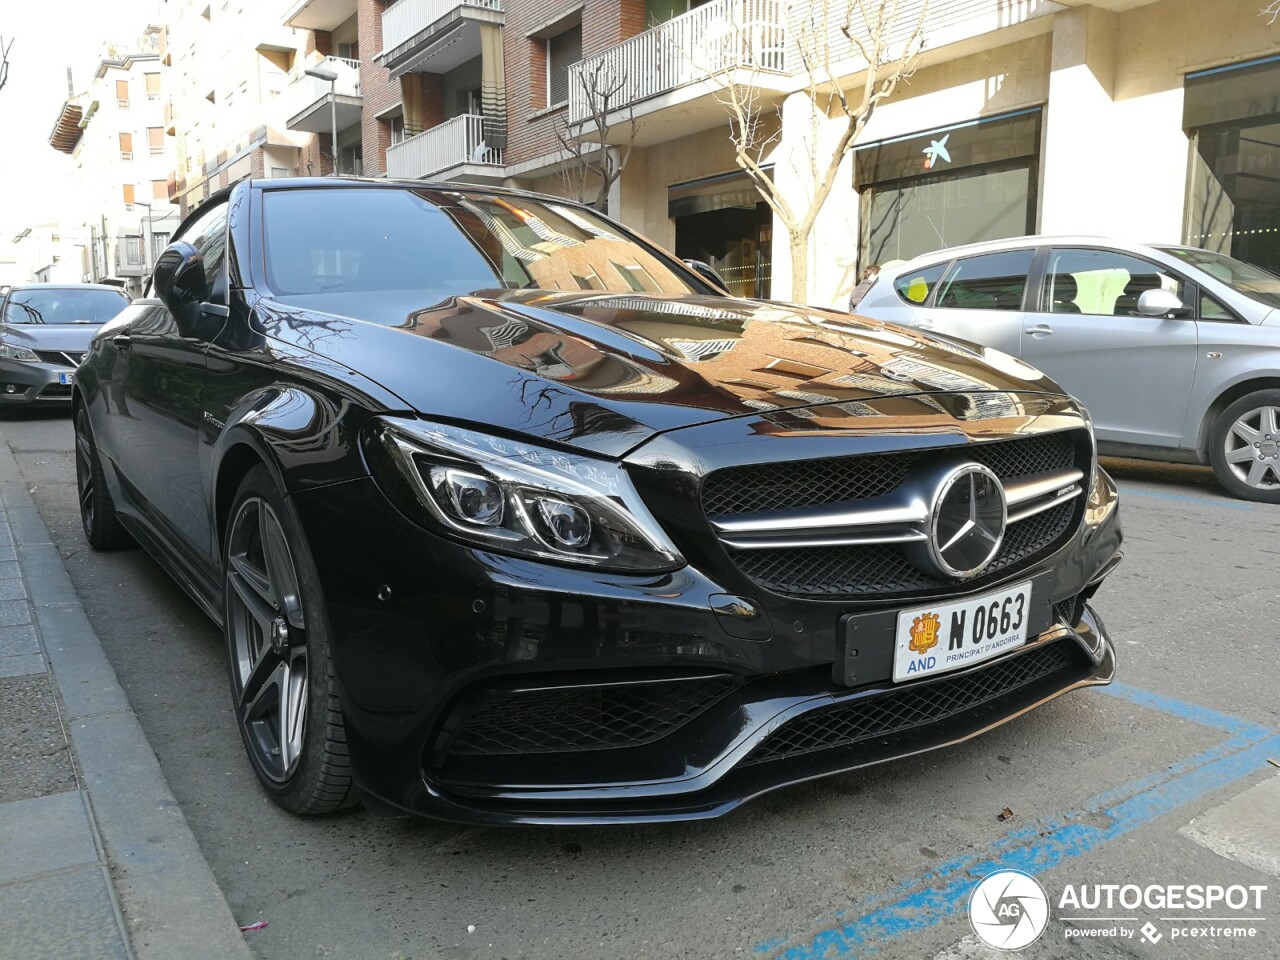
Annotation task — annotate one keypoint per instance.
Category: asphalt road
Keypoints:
(1102, 786)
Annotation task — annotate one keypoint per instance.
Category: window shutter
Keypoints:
(126, 143)
(128, 193)
(563, 50)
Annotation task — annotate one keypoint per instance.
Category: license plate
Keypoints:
(66, 379)
(950, 636)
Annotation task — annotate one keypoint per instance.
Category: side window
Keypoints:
(1211, 309)
(208, 234)
(915, 286)
(993, 281)
(1102, 283)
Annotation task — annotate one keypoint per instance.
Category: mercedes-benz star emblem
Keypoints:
(967, 523)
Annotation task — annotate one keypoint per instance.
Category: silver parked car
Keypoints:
(45, 329)
(1174, 350)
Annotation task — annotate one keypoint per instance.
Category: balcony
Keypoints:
(319, 14)
(434, 36)
(456, 149)
(669, 66)
(170, 127)
(309, 97)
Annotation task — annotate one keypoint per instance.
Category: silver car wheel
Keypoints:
(1253, 448)
(268, 635)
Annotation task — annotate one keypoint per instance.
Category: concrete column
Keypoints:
(808, 139)
(1082, 145)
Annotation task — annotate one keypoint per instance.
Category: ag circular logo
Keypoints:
(967, 522)
(1009, 910)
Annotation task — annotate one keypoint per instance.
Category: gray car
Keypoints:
(1174, 350)
(45, 329)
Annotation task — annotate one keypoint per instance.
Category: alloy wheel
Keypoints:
(1253, 448)
(268, 635)
(84, 472)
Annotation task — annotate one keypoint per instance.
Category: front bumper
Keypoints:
(428, 634)
(30, 383)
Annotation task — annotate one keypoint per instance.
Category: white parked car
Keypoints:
(1174, 350)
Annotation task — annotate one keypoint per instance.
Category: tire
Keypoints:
(98, 517)
(1244, 447)
(283, 689)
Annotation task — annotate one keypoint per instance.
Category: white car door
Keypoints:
(980, 299)
(1133, 372)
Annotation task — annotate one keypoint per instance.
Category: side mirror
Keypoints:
(1161, 303)
(179, 277)
(705, 271)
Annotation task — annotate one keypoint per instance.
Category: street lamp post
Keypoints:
(320, 73)
(146, 242)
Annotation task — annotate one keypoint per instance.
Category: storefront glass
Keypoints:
(947, 187)
(723, 222)
(1232, 115)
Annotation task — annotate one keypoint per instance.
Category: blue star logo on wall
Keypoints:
(936, 151)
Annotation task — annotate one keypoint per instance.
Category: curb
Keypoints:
(170, 900)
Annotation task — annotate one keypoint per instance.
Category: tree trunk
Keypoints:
(799, 267)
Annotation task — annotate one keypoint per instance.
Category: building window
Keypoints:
(122, 94)
(133, 249)
(155, 140)
(1233, 192)
(397, 129)
(160, 190)
(158, 242)
(153, 86)
(277, 172)
(128, 196)
(563, 51)
(943, 188)
(126, 146)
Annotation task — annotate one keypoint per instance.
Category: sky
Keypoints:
(49, 36)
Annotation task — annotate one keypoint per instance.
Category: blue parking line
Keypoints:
(942, 892)
(1128, 491)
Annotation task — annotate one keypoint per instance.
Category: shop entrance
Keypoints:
(723, 222)
(1232, 115)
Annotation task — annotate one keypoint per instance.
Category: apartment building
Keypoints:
(1157, 120)
(44, 253)
(124, 163)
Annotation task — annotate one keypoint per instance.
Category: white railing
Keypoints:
(304, 91)
(405, 19)
(721, 35)
(454, 142)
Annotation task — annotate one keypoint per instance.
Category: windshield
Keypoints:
(432, 245)
(63, 305)
(1253, 282)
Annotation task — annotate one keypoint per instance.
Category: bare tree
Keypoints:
(4, 60)
(1272, 12)
(877, 42)
(592, 166)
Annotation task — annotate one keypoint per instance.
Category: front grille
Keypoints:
(65, 358)
(883, 570)
(585, 718)
(910, 707)
(777, 486)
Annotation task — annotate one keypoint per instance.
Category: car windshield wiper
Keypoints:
(35, 315)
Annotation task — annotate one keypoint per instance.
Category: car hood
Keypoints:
(606, 372)
(52, 336)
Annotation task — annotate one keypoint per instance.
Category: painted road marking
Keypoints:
(941, 893)
(1128, 491)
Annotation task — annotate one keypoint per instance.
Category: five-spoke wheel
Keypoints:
(1245, 446)
(282, 682)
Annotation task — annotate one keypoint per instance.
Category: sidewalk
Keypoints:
(96, 858)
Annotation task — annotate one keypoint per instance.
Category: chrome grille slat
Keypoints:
(844, 528)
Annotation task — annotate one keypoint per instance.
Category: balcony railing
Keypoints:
(718, 36)
(461, 140)
(305, 92)
(405, 19)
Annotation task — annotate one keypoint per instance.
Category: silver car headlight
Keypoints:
(515, 497)
(9, 351)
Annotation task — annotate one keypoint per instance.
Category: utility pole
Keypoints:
(320, 73)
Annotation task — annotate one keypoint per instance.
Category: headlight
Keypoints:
(10, 352)
(515, 497)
